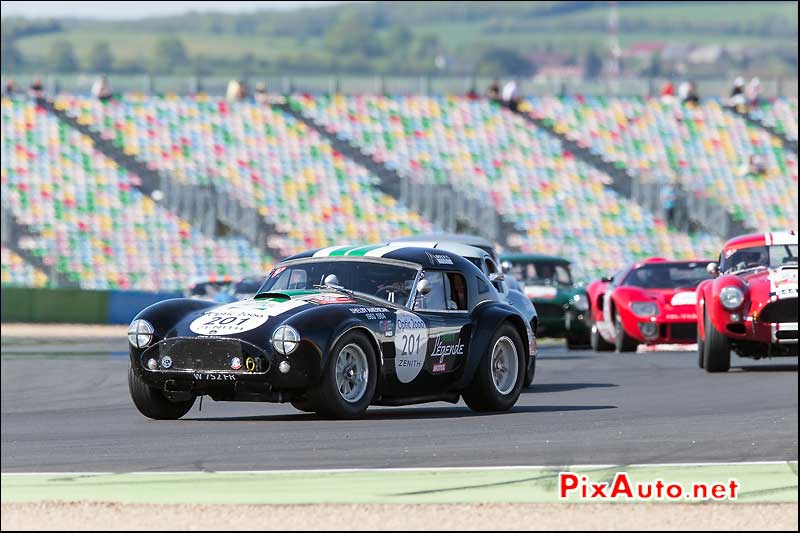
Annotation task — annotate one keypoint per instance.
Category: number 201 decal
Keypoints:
(411, 346)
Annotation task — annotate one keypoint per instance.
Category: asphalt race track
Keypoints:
(73, 413)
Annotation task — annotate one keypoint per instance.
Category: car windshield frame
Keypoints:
(701, 267)
(541, 281)
(348, 259)
(726, 267)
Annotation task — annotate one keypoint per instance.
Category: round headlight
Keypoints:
(644, 309)
(285, 339)
(731, 297)
(140, 333)
(580, 302)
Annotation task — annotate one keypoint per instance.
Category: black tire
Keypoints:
(597, 342)
(700, 345)
(624, 343)
(482, 394)
(325, 397)
(152, 403)
(716, 349)
(530, 372)
(576, 341)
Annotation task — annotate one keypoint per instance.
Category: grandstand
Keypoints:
(91, 224)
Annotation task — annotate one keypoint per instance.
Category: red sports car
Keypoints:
(751, 304)
(651, 302)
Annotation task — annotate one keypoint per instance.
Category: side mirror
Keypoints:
(332, 280)
(713, 269)
(495, 277)
(423, 287)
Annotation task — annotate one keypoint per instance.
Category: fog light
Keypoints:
(152, 364)
(649, 329)
(735, 317)
(284, 367)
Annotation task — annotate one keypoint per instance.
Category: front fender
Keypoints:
(486, 318)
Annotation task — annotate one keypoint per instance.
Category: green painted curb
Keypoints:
(774, 483)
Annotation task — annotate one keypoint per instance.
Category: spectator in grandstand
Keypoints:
(756, 167)
(668, 92)
(260, 94)
(511, 95)
(11, 87)
(736, 98)
(752, 92)
(36, 90)
(234, 91)
(668, 201)
(687, 92)
(472, 94)
(101, 89)
(493, 93)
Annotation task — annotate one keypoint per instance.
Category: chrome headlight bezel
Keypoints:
(644, 309)
(140, 333)
(580, 303)
(731, 297)
(285, 339)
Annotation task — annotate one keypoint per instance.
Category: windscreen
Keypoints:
(541, 273)
(760, 256)
(389, 282)
(668, 275)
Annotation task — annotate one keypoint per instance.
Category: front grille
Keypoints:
(780, 311)
(785, 335)
(549, 311)
(193, 353)
(684, 332)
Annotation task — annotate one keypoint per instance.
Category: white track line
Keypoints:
(389, 470)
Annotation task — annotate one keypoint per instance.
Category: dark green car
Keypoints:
(561, 304)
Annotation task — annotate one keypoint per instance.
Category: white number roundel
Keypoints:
(410, 345)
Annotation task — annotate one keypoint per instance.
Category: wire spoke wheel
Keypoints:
(352, 372)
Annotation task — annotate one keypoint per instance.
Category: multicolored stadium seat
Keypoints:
(559, 204)
(94, 226)
(705, 146)
(262, 157)
(16, 272)
(780, 114)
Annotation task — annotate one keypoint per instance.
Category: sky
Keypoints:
(127, 10)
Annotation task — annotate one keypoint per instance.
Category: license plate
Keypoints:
(200, 376)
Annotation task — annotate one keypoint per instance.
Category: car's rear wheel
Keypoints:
(152, 403)
(597, 342)
(498, 380)
(716, 349)
(349, 380)
(624, 343)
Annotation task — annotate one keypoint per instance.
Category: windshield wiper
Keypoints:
(338, 288)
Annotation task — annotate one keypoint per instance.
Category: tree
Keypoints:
(10, 57)
(594, 64)
(351, 35)
(100, 57)
(62, 58)
(169, 54)
(498, 61)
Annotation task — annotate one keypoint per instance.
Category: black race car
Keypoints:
(334, 331)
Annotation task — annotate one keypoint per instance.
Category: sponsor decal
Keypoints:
(277, 272)
(783, 283)
(323, 299)
(684, 298)
(236, 363)
(540, 291)
(410, 344)
(441, 350)
(386, 327)
(681, 316)
(198, 376)
(439, 368)
(439, 259)
(166, 361)
(242, 316)
(250, 364)
(370, 313)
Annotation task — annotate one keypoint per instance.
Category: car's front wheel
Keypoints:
(597, 342)
(152, 403)
(624, 343)
(716, 349)
(530, 373)
(349, 380)
(497, 383)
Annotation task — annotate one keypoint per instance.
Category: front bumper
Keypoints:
(202, 364)
(665, 332)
